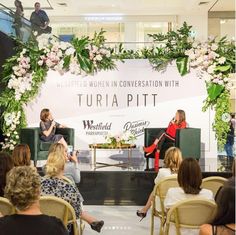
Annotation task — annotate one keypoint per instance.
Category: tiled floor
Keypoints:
(120, 220)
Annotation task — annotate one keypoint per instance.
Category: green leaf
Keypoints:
(66, 62)
(222, 68)
(182, 65)
(214, 90)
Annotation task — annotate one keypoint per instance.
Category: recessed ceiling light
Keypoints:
(202, 3)
(63, 4)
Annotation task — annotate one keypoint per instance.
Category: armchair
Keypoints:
(188, 140)
(38, 148)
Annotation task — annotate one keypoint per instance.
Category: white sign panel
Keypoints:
(132, 97)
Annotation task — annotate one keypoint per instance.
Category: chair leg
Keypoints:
(147, 163)
(35, 163)
(152, 224)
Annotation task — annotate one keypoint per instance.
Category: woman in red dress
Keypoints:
(178, 122)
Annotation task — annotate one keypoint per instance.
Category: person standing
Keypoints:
(39, 20)
(229, 145)
(17, 18)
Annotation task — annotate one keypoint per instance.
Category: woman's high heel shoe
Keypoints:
(97, 225)
(141, 214)
(149, 149)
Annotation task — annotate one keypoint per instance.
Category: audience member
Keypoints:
(71, 170)
(48, 128)
(23, 191)
(224, 222)
(172, 160)
(6, 164)
(39, 20)
(21, 155)
(53, 184)
(189, 179)
(17, 18)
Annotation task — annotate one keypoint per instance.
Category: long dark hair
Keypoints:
(6, 164)
(190, 176)
(225, 200)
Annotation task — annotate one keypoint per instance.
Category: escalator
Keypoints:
(7, 41)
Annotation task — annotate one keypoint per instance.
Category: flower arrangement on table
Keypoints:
(119, 140)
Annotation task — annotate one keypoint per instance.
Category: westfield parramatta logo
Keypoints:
(91, 125)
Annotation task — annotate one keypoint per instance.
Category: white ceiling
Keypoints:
(124, 7)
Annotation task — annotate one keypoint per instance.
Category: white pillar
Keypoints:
(130, 35)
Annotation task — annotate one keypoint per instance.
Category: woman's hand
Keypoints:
(73, 158)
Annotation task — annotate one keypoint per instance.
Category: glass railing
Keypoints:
(8, 26)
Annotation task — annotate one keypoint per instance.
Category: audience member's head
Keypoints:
(23, 187)
(225, 200)
(6, 164)
(173, 159)
(190, 176)
(44, 114)
(21, 155)
(56, 160)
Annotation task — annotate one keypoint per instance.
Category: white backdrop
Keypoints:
(132, 97)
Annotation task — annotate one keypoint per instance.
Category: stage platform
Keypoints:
(128, 184)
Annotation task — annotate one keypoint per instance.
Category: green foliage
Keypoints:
(172, 46)
(92, 56)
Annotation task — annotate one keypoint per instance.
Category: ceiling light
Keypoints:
(63, 4)
(202, 3)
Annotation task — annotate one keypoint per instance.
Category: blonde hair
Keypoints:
(21, 155)
(173, 159)
(22, 186)
(56, 160)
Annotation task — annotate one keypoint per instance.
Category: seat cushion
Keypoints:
(44, 146)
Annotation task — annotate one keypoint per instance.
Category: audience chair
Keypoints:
(160, 190)
(6, 208)
(54, 206)
(38, 148)
(190, 214)
(213, 183)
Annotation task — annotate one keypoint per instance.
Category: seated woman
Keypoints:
(53, 184)
(48, 128)
(172, 161)
(21, 155)
(23, 191)
(71, 170)
(224, 222)
(190, 180)
(178, 122)
(6, 164)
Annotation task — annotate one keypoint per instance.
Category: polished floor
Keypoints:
(120, 220)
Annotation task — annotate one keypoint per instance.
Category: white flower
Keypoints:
(214, 47)
(98, 57)
(94, 49)
(211, 69)
(226, 79)
(195, 44)
(221, 60)
(40, 62)
(70, 51)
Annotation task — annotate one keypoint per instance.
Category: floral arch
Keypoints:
(26, 71)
